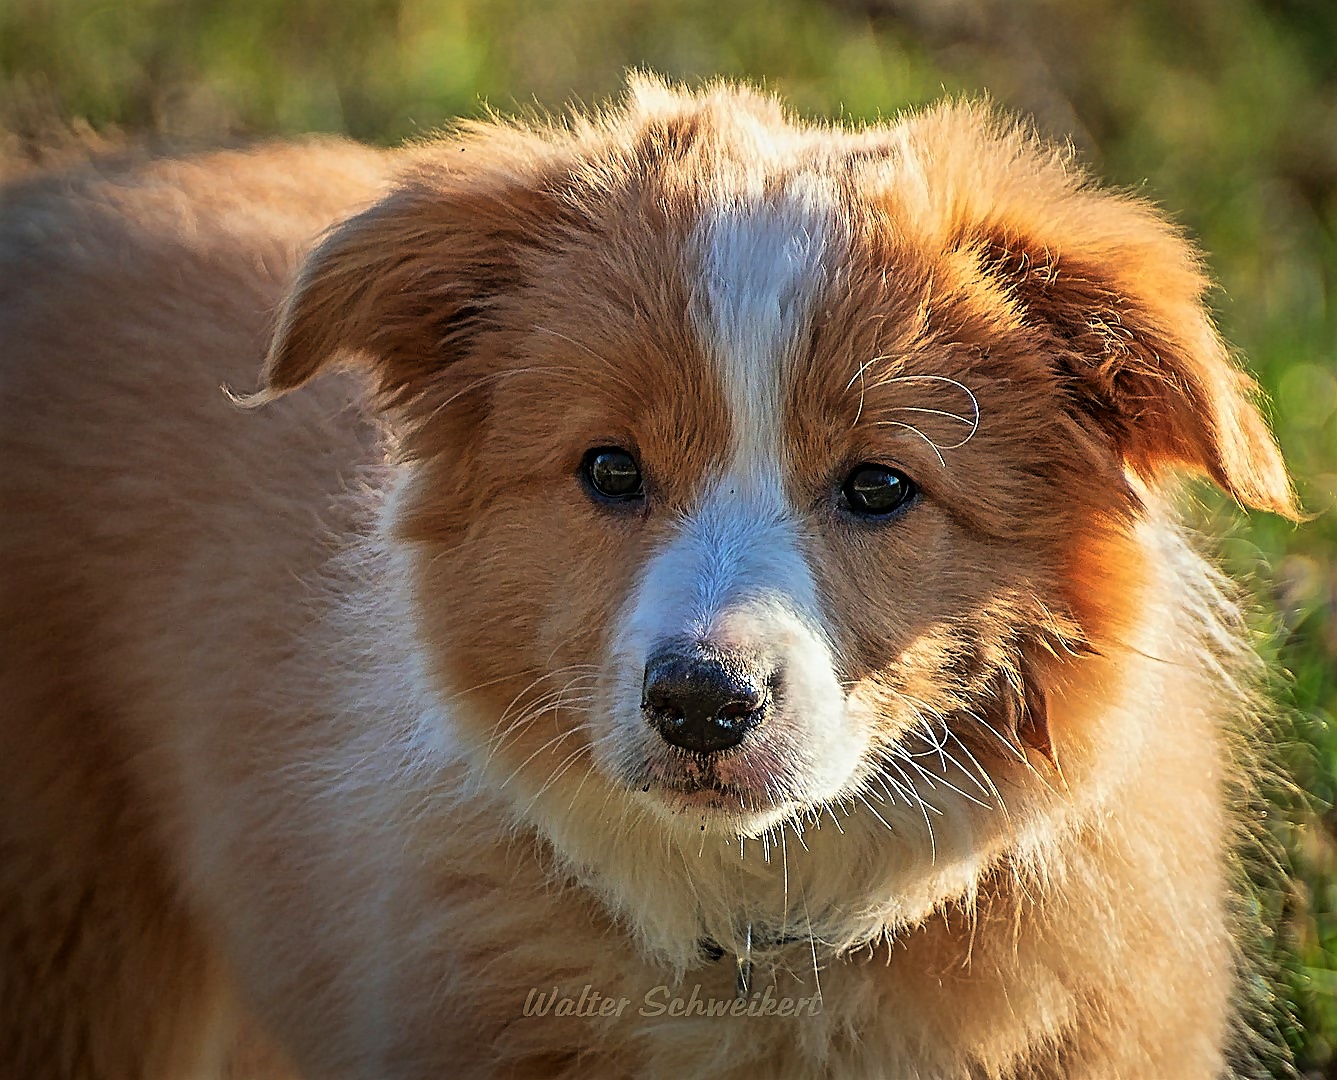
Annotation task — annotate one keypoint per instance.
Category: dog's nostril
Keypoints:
(703, 702)
(737, 710)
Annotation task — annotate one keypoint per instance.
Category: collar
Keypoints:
(771, 942)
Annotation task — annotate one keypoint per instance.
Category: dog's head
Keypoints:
(755, 468)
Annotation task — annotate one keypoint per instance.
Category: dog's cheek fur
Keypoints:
(959, 606)
(522, 569)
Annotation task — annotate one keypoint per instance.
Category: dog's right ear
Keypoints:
(404, 287)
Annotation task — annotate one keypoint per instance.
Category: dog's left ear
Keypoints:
(1128, 330)
(1111, 293)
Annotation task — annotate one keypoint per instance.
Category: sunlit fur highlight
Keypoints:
(322, 736)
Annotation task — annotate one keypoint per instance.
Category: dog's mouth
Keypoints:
(730, 790)
(731, 737)
(716, 808)
(706, 801)
(706, 794)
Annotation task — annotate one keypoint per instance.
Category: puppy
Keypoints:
(725, 618)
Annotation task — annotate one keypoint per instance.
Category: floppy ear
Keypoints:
(1129, 333)
(404, 287)
(1111, 292)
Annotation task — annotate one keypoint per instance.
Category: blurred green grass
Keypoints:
(1225, 111)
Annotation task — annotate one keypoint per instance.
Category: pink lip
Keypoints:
(739, 783)
(692, 789)
(703, 798)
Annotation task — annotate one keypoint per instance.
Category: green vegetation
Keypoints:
(1225, 111)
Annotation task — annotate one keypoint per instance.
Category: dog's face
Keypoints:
(756, 470)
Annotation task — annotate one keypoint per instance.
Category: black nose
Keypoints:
(702, 701)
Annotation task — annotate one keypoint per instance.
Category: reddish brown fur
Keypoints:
(234, 639)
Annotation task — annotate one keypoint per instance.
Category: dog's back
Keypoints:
(129, 295)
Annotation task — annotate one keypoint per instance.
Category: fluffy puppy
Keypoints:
(727, 620)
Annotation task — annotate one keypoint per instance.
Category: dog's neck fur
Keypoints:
(615, 885)
(827, 884)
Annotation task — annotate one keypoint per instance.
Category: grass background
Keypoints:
(1224, 111)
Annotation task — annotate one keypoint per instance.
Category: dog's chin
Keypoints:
(713, 809)
(733, 798)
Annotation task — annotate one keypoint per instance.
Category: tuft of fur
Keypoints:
(322, 734)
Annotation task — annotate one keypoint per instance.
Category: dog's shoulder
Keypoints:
(135, 291)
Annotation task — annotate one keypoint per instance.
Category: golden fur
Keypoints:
(309, 737)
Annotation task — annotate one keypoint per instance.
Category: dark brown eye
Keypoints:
(876, 491)
(612, 473)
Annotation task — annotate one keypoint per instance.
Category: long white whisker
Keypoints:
(973, 420)
(910, 427)
(984, 773)
(937, 778)
(931, 412)
(1012, 747)
(567, 762)
(482, 380)
(612, 367)
(560, 737)
(533, 683)
(552, 700)
(812, 943)
(874, 812)
(524, 720)
(589, 771)
(924, 808)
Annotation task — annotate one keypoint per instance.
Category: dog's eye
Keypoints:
(876, 490)
(613, 473)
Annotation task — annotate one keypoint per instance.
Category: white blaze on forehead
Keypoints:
(735, 574)
(761, 259)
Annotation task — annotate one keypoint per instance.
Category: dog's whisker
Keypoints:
(607, 363)
(512, 732)
(933, 742)
(1008, 743)
(590, 768)
(911, 428)
(583, 671)
(933, 779)
(924, 807)
(939, 750)
(812, 942)
(930, 412)
(906, 795)
(551, 702)
(496, 376)
(859, 373)
(556, 740)
(507, 711)
(985, 786)
(988, 780)
(863, 799)
(565, 767)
